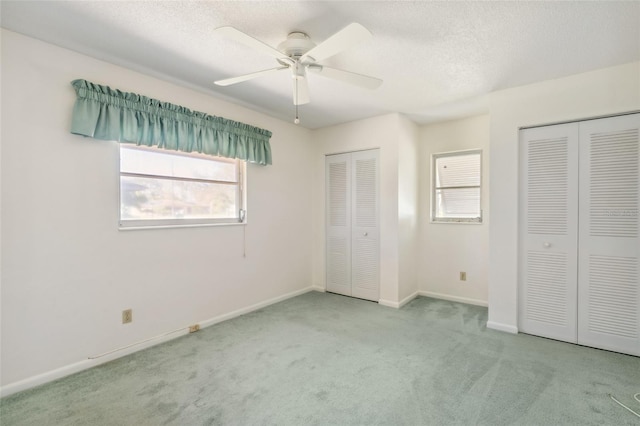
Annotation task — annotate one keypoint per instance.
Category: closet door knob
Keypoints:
(365, 234)
(546, 245)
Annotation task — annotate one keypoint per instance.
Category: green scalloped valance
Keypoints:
(104, 113)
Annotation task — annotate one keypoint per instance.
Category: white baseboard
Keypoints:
(451, 298)
(502, 327)
(242, 311)
(49, 376)
(408, 299)
(389, 303)
(399, 304)
(90, 362)
(490, 324)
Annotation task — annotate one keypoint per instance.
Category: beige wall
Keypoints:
(68, 272)
(408, 168)
(396, 138)
(377, 132)
(446, 249)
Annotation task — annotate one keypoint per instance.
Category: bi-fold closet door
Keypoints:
(352, 224)
(579, 242)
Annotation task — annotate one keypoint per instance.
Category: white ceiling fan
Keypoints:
(299, 54)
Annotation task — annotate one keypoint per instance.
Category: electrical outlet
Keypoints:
(127, 316)
(463, 276)
(194, 328)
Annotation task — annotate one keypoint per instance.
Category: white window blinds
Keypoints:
(457, 187)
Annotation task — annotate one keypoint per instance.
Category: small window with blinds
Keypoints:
(456, 187)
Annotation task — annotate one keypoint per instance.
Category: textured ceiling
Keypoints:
(438, 60)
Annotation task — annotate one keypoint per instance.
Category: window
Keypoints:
(456, 187)
(168, 188)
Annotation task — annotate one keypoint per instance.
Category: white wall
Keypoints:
(446, 249)
(67, 272)
(605, 91)
(378, 132)
(407, 208)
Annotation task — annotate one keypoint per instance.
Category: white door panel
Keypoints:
(338, 223)
(548, 231)
(609, 291)
(365, 227)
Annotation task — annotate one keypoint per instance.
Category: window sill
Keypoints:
(453, 222)
(190, 225)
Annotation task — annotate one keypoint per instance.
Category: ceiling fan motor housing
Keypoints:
(296, 45)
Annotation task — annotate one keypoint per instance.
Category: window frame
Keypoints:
(239, 219)
(464, 220)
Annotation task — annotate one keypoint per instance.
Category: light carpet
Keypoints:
(324, 359)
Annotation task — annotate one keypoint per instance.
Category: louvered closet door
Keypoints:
(365, 275)
(338, 222)
(548, 231)
(608, 289)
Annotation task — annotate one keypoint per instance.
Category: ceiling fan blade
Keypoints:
(237, 35)
(300, 91)
(360, 80)
(241, 78)
(347, 37)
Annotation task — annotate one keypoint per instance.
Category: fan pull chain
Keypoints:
(297, 119)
